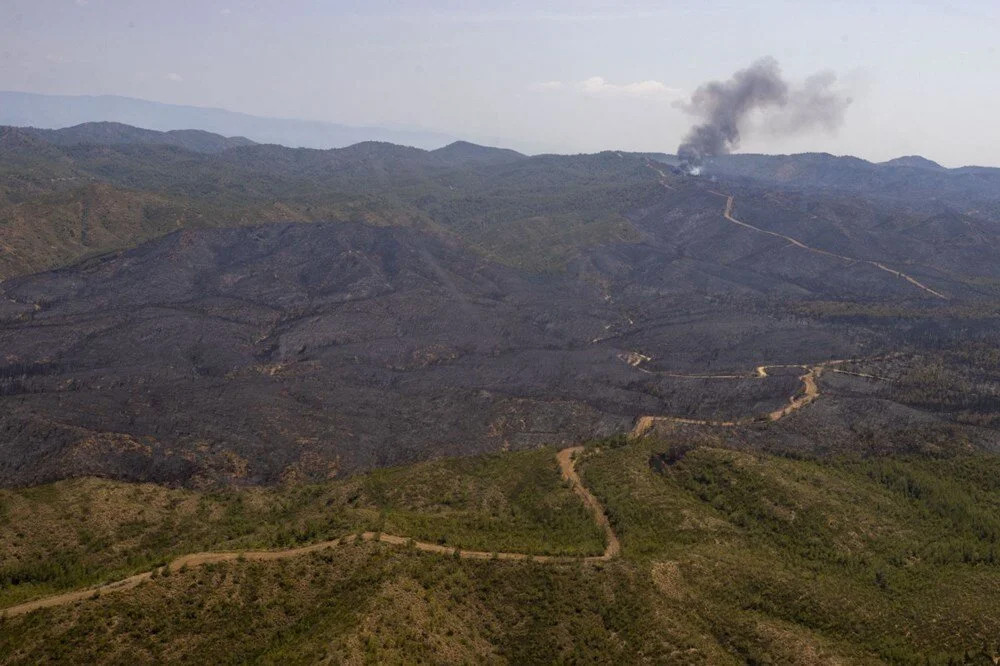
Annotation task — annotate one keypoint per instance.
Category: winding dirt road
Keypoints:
(809, 393)
(810, 389)
(567, 466)
(728, 214)
(566, 459)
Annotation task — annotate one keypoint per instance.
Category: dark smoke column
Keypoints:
(725, 105)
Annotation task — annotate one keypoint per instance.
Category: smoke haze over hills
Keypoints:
(725, 107)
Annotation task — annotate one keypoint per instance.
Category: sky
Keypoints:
(538, 76)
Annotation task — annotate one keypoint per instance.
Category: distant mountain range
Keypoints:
(57, 111)
(113, 134)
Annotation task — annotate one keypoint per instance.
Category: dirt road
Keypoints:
(567, 466)
(728, 214)
(809, 393)
(663, 177)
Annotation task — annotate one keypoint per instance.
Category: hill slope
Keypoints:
(728, 558)
(435, 303)
(497, 200)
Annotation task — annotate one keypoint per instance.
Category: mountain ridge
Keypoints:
(112, 133)
(58, 111)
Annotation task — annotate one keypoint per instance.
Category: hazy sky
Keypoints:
(566, 76)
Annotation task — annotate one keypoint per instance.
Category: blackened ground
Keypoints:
(303, 351)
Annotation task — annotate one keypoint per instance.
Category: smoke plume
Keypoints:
(725, 106)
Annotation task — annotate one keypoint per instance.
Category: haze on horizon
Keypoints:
(535, 76)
